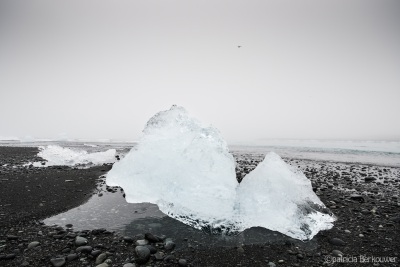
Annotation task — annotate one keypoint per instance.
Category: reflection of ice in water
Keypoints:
(113, 213)
(109, 211)
(187, 170)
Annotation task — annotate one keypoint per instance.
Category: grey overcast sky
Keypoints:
(100, 69)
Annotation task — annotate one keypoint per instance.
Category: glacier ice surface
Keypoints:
(182, 167)
(57, 155)
(187, 170)
(279, 197)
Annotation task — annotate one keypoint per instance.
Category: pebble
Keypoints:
(72, 257)
(347, 231)
(129, 265)
(152, 238)
(143, 254)
(357, 197)
(159, 256)
(169, 245)
(84, 249)
(71, 235)
(58, 262)
(101, 258)
(102, 265)
(337, 253)
(95, 253)
(182, 262)
(169, 258)
(152, 249)
(80, 241)
(337, 242)
(271, 264)
(369, 179)
(33, 244)
(141, 242)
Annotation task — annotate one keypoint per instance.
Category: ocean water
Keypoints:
(383, 153)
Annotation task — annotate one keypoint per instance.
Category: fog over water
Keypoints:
(256, 70)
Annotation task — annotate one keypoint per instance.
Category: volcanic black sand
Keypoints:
(364, 198)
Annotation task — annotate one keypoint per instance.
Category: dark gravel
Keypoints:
(367, 226)
(37, 193)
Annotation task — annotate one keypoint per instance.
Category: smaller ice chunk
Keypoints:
(279, 197)
(57, 155)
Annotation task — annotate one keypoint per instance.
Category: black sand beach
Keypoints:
(366, 232)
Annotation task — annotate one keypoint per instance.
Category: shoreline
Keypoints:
(367, 225)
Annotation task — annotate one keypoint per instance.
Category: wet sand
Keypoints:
(364, 198)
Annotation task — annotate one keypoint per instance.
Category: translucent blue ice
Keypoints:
(187, 170)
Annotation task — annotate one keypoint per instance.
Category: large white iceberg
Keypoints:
(187, 170)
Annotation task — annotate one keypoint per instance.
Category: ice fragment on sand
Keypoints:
(56, 155)
(187, 170)
(279, 197)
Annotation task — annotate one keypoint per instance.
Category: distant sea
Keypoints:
(384, 153)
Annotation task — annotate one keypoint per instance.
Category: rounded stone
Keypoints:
(152, 238)
(169, 245)
(182, 262)
(58, 262)
(33, 244)
(337, 241)
(101, 258)
(141, 242)
(80, 241)
(72, 257)
(143, 254)
(337, 253)
(84, 249)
